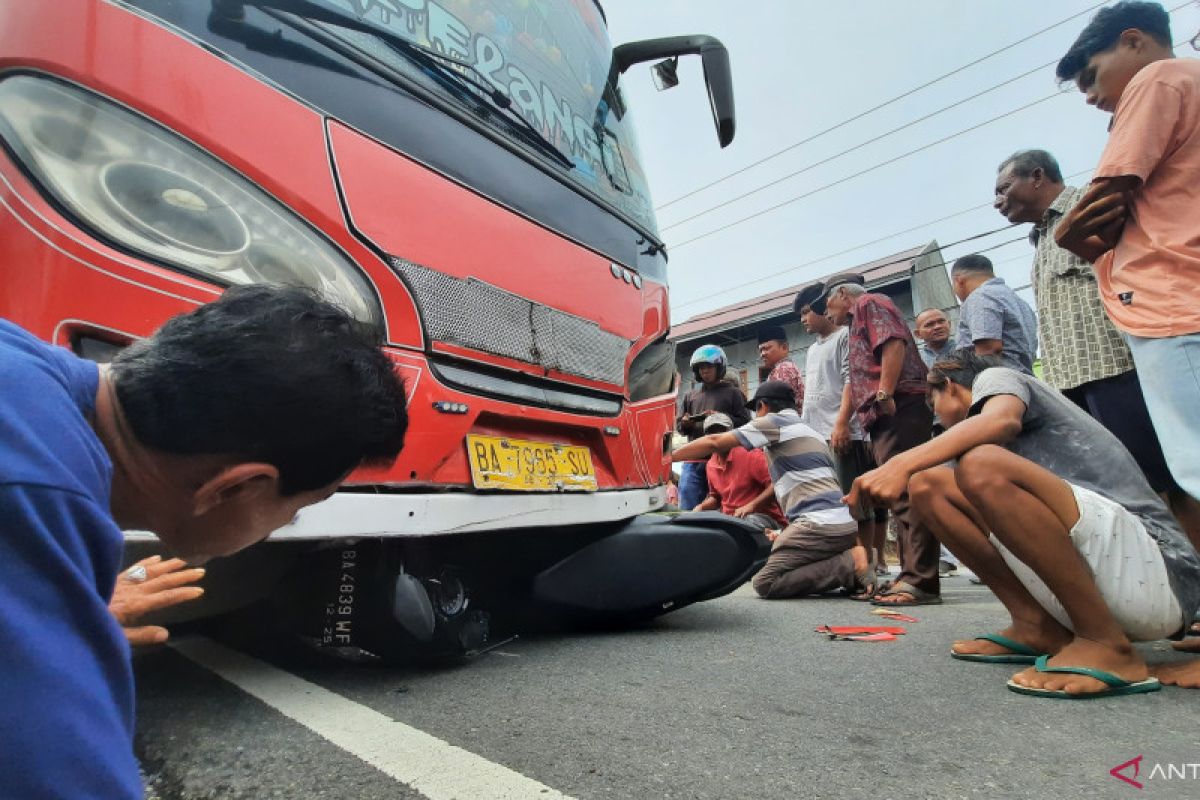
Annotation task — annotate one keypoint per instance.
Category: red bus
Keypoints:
(462, 174)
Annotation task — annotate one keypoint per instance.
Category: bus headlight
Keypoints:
(150, 191)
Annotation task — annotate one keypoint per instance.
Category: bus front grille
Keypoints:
(475, 314)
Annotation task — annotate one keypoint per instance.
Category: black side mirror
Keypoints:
(717, 76)
(719, 80)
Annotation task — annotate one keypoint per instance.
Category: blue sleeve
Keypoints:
(984, 318)
(66, 701)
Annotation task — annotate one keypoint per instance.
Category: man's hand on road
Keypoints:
(165, 585)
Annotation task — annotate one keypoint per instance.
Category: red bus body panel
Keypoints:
(60, 281)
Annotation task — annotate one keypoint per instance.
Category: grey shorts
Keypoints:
(856, 461)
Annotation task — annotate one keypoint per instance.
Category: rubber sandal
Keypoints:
(1021, 654)
(879, 587)
(1117, 686)
(919, 597)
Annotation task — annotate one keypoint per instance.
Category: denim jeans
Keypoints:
(1169, 370)
(693, 484)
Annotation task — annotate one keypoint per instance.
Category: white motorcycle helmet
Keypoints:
(709, 354)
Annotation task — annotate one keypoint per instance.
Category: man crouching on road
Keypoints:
(1081, 551)
(212, 433)
(817, 551)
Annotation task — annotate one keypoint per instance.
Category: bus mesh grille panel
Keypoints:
(471, 313)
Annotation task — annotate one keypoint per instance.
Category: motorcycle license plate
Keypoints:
(498, 462)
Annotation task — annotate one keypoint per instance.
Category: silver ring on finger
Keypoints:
(136, 574)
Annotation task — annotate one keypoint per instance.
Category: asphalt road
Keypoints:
(733, 698)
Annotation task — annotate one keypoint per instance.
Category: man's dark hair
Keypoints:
(973, 264)
(270, 374)
(776, 404)
(1106, 28)
(961, 366)
(1024, 162)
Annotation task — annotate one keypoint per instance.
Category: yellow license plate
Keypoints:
(498, 462)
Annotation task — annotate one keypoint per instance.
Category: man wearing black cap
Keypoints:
(773, 350)
(817, 551)
(887, 389)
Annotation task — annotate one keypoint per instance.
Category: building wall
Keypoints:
(931, 285)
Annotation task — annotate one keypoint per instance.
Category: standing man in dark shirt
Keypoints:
(887, 390)
(715, 393)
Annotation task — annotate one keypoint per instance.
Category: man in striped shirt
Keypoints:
(817, 551)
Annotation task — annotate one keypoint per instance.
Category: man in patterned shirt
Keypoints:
(773, 350)
(887, 391)
(1083, 354)
(817, 551)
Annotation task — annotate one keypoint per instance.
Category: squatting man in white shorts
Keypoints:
(1052, 512)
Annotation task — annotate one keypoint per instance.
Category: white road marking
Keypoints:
(435, 768)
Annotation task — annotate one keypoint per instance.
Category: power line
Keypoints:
(839, 253)
(862, 172)
(942, 265)
(1005, 243)
(887, 236)
(903, 260)
(869, 169)
(848, 150)
(884, 104)
(849, 250)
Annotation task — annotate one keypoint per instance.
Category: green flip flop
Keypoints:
(1117, 686)
(1021, 654)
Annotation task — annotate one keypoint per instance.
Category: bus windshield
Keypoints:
(550, 58)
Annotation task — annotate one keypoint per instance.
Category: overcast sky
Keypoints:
(800, 67)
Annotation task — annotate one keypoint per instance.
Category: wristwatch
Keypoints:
(882, 397)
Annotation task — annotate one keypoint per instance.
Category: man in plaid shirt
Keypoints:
(1083, 354)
